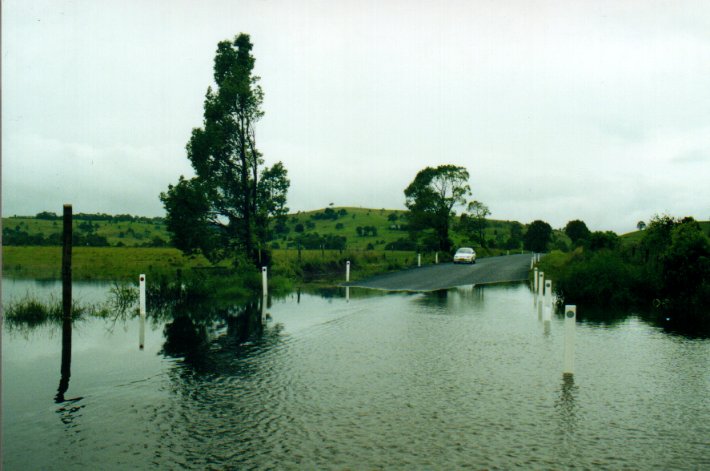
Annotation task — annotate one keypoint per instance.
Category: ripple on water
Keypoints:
(467, 379)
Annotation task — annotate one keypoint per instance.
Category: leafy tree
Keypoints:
(431, 198)
(475, 220)
(392, 217)
(685, 269)
(538, 236)
(47, 215)
(640, 225)
(603, 240)
(577, 231)
(516, 236)
(226, 208)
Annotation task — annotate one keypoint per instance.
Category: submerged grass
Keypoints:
(31, 312)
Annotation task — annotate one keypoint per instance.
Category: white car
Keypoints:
(465, 255)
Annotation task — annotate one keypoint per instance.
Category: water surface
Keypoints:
(465, 378)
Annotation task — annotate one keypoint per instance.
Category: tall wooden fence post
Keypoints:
(66, 261)
(66, 305)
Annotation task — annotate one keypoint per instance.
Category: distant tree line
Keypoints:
(50, 216)
(330, 213)
(84, 234)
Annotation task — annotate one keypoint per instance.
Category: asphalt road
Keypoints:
(448, 275)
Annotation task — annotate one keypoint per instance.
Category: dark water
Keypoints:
(467, 378)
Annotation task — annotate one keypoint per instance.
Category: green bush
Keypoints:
(601, 278)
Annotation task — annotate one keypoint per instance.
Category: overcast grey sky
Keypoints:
(560, 110)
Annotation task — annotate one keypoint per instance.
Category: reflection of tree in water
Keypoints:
(445, 298)
(212, 339)
(606, 317)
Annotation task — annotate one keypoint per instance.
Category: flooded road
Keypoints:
(448, 275)
(464, 378)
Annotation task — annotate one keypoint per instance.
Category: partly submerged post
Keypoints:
(347, 271)
(66, 261)
(419, 260)
(436, 257)
(570, 324)
(535, 280)
(66, 304)
(141, 294)
(141, 333)
(347, 294)
(547, 310)
(541, 283)
(264, 282)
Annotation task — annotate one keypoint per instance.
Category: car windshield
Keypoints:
(465, 250)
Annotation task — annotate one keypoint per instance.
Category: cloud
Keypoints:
(559, 111)
(43, 174)
(692, 156)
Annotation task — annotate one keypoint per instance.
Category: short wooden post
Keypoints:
(141, 294)
(347, 271)
(570, 324)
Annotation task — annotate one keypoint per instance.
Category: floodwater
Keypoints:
(468, 378)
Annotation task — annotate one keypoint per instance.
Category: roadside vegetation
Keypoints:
(663, 269)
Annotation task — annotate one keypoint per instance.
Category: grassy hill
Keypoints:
(117, 232)
(389, 225)
(362, 228)
(636, 236)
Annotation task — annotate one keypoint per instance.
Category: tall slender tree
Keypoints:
(226, 208)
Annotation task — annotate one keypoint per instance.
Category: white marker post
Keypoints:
(532, 262)
(547, 315)
(436, 258)
(535, 280)
(347, 294)
(570, 323)
(541, 283)
(141, 295)
(141, 333)
(419, 260)
(264, 300)
(264, 282)
(347, 271)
